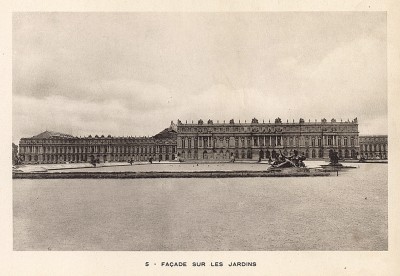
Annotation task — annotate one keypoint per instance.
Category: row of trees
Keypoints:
(16, 159)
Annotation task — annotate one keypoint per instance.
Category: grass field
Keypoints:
(345, 212)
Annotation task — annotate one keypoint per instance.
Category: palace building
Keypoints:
(259, 140)
(374, 146)
(200, 141)
(53, 147)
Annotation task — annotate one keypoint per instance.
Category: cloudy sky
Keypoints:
(132, 73)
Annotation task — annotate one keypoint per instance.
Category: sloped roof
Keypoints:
(51, 134)
(166, 134)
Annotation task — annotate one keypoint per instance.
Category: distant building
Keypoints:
(201, 141)
(260, 140)
(374, 146)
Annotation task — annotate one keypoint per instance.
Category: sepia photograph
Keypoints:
(200, 131)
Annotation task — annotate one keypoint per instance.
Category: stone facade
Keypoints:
(259, 140)
(374, 146)
(200, 141)
(51, 147)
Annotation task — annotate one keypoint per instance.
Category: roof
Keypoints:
(372, 136)
(166, 133)
(51, 134)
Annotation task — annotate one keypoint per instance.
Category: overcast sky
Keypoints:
(132, 73)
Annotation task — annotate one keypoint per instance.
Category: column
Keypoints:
(270, 141)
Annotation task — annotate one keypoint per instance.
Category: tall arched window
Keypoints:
(329, 140)
(249, 154)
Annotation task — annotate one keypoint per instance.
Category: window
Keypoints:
(329, 140)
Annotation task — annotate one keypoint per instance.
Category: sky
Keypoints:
(131, 74)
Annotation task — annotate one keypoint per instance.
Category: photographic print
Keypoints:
(228, 131)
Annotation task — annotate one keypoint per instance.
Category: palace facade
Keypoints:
(374, 146)
(259, 140)
(200, 141)
(53, 147)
